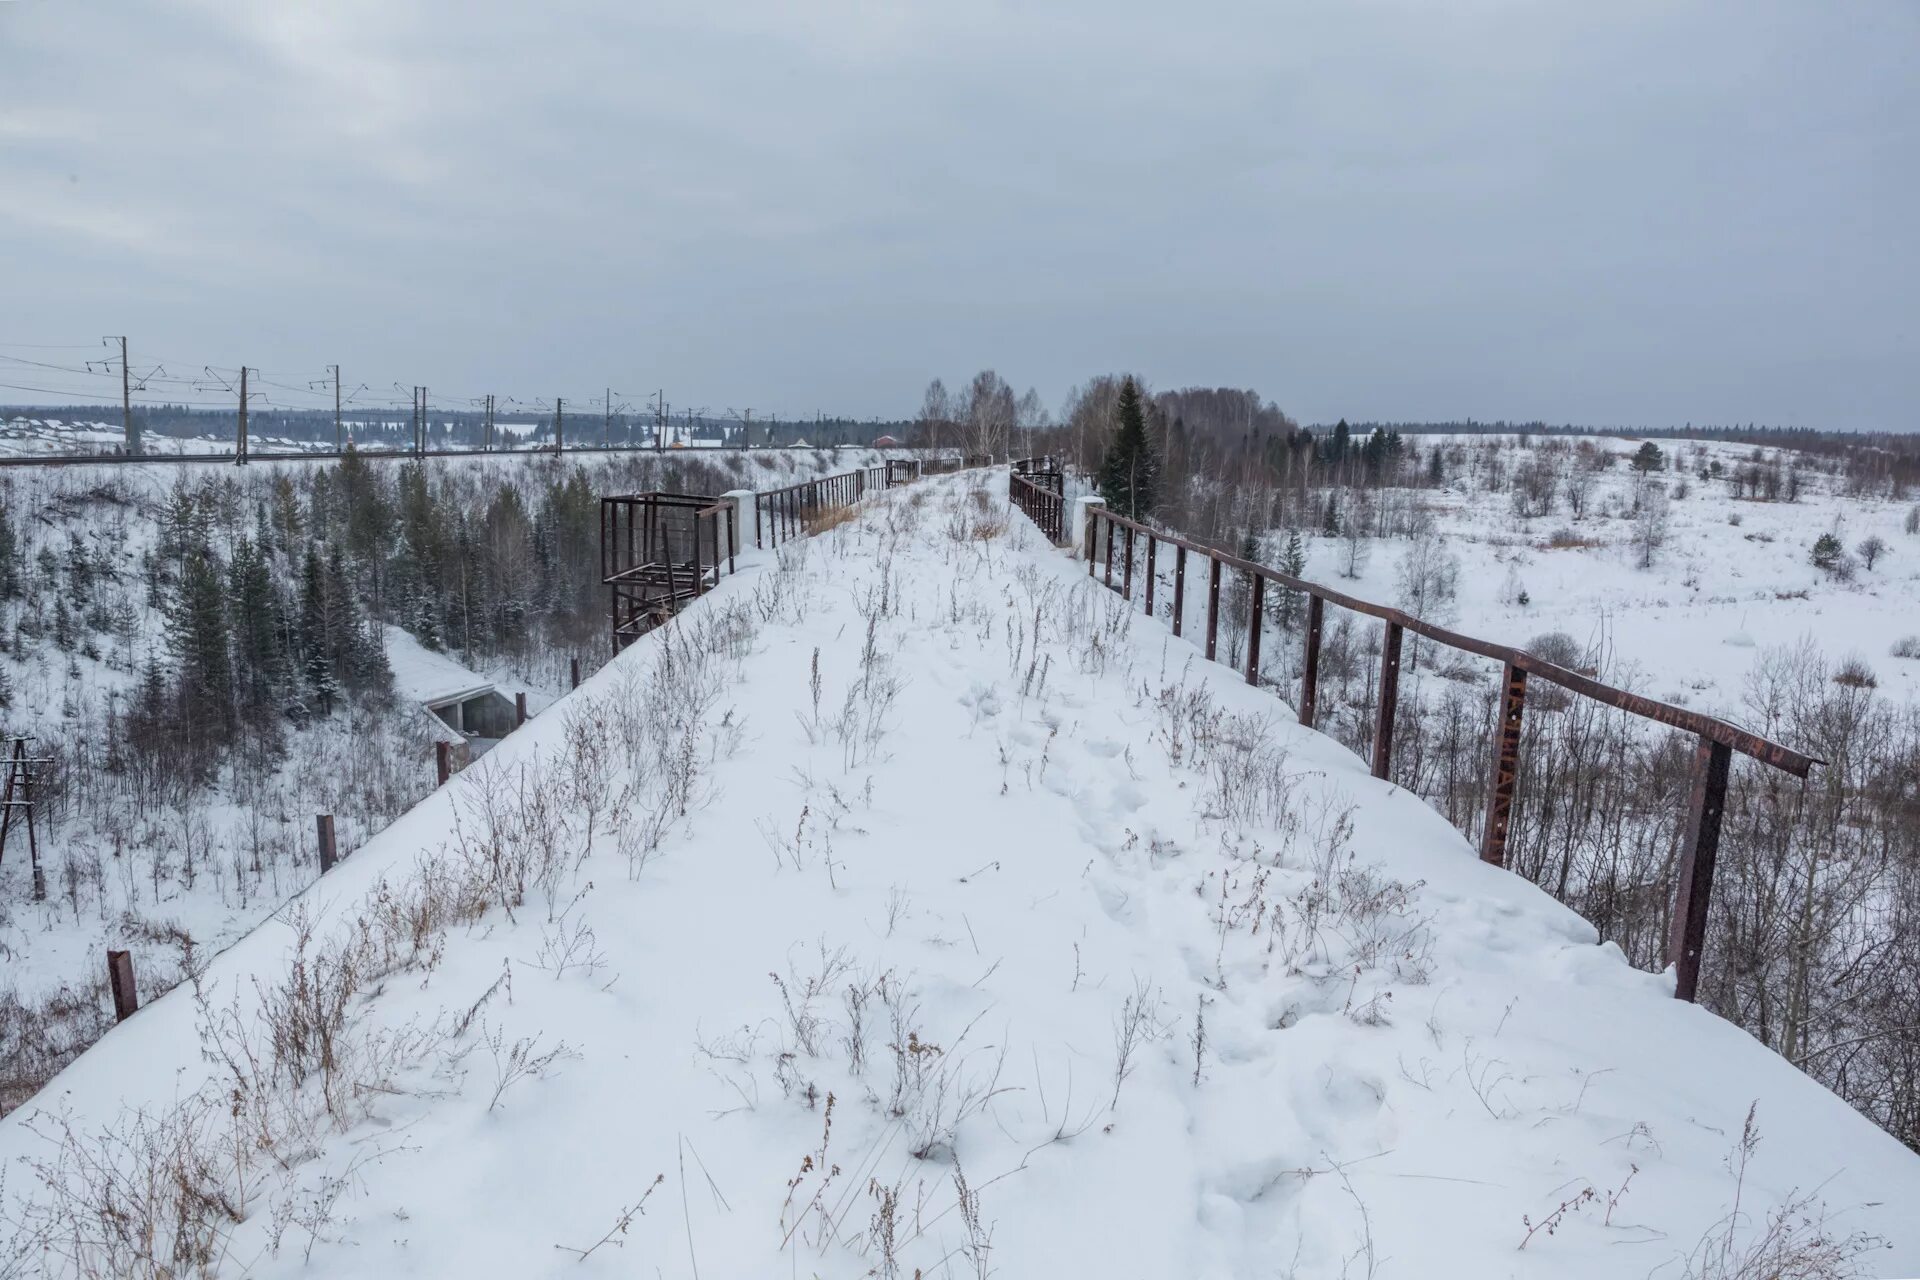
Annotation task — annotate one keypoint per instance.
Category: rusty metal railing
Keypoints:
(1038, 487)
(1716, 739)
(780, 515)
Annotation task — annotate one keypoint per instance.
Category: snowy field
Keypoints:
(904, 909)
(1732, 577)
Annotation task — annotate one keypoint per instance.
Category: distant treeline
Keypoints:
(392, 427)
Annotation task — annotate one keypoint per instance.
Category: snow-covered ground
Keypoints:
(998, 936)
(1732, 578)
(155, 874)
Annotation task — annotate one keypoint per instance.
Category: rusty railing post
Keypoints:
(1389, 701)
(1213, 607)
(519, 709)
(1695, 890)
(323, 832)
(1253, 629)
(443, 760)
(574, 672)
(1109, 568)
(1179, 588)
(1310, 665)
(1152, 542)
(120, 978)
(1126, 579)
(1506, 765)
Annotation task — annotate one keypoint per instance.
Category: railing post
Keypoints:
(1506, 765)
(442, 760)
(323, 832)
(1213, 607)
(1126, 579)
(1152, 542)
(519, 709)
(1087, 531)
(1695, 891)
(1310, 666)
(574, 671)
(1109, 569)
(1253, 629)
(1179, 588)
(1389, 701)
(120, 978)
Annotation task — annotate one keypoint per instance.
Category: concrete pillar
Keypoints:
(736, 535)
(1082, 546)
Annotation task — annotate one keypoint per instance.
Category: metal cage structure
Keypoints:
(658, 551)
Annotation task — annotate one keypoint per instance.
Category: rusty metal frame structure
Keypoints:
(1717, 739)
(659, 550)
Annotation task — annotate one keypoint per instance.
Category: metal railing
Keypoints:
(1038, 487)
(1716, 739)
(780, 515)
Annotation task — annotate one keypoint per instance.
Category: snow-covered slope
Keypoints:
(901, 909)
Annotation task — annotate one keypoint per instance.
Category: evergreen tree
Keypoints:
(9, 559)
(1129, 473)
(262, 654)
(1293, 563)
(198, 634)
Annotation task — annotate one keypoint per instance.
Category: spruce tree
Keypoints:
(198, 635)
(1129, 473)
(1293, 563)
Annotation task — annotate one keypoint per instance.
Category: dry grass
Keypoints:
(829, 518)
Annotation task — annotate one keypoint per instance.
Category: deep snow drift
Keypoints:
(902, 908)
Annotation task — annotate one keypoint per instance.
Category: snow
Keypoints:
(1717, 596)
(425, 675)
(1064, 817)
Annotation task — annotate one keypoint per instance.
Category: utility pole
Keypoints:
(606, 426)
(559, 425)
(240, 444)
(487, 446)
(126, 399)
(659, 420)
(337, 447)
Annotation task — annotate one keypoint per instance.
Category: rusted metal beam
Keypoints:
(1694, 893)
(1152, 542)
(442, 760)
(126, 1001)
(1257, 612)
(1389, 701)
(1213, 609)
(1506, 765)
(1179, 588)
(1310, 664)
(1126, 581)
(323, 834)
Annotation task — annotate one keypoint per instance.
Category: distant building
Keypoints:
(886, 442)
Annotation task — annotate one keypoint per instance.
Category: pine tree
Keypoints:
(1130, 471)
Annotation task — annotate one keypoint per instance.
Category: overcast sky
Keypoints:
(1621, 212)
